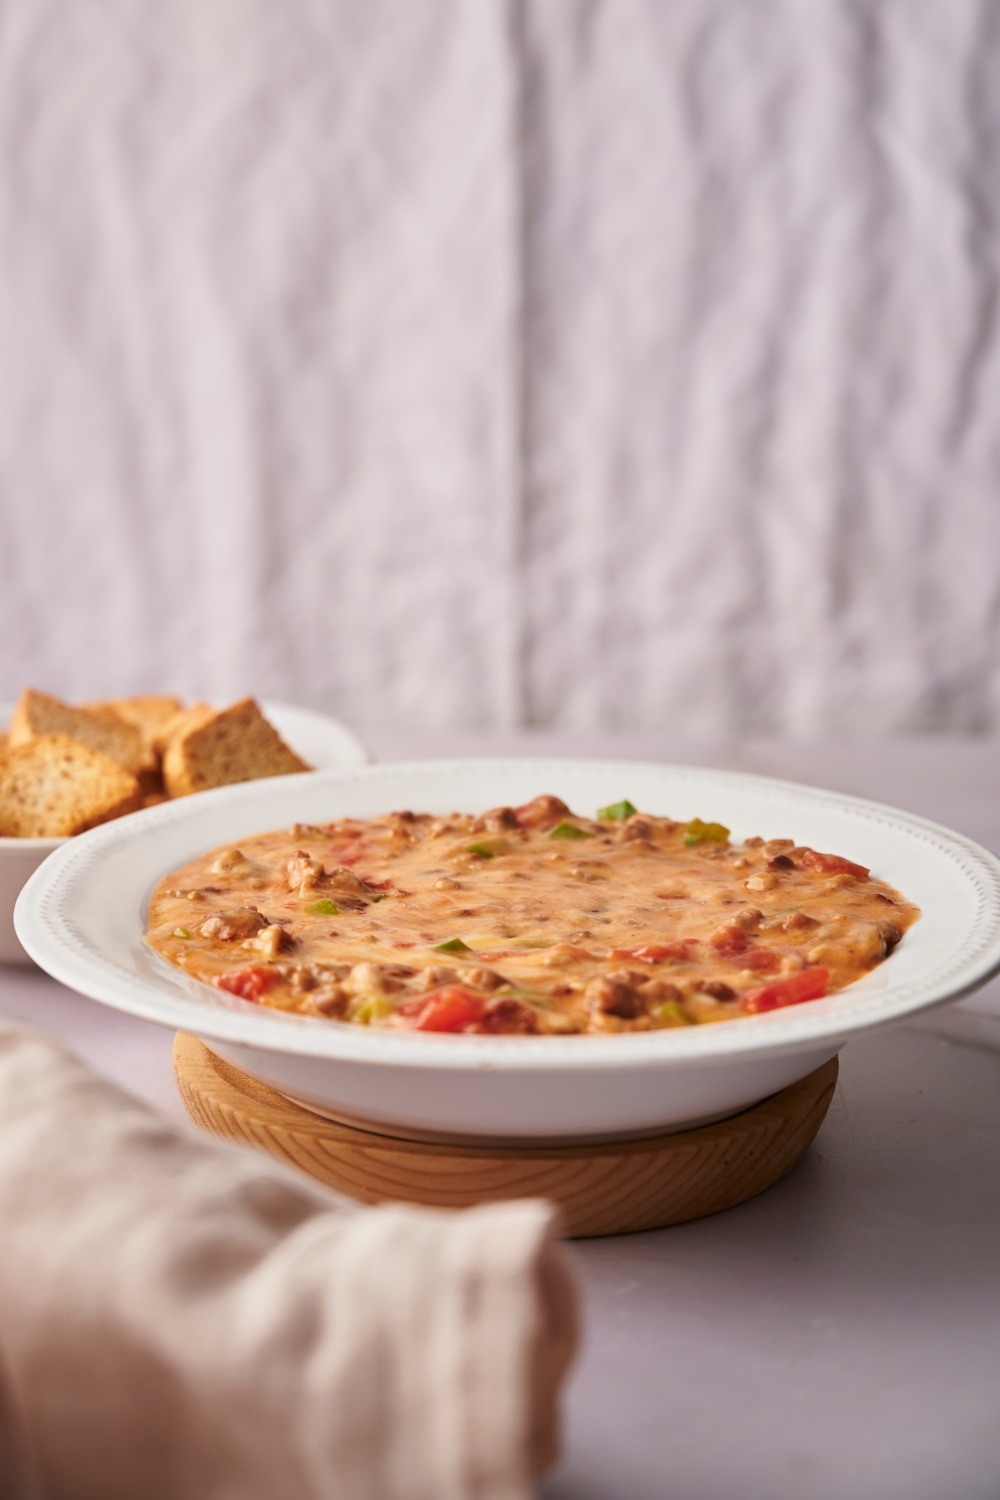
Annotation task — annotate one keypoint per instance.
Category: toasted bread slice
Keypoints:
(237, 744)
(53, 786)
(4, 742)
(148, 711)
(102, 729)
(178, 723)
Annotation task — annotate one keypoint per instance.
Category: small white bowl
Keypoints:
(19, 858)
(321, 741)
(83, 914)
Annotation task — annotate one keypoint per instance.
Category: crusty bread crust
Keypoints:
(101, 728)
(149, 712)
(53, 786)
(237, 744)
(178, 723)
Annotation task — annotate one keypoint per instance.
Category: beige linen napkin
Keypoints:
(181, 1318)
(14, 1466)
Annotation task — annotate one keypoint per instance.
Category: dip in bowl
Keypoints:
(83, 917)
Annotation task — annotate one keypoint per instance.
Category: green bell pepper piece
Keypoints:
(368, 1009)
(617, 811)
(489, 848)
(697, 832)
(669, 1014)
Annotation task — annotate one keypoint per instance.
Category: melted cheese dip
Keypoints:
(524, 920)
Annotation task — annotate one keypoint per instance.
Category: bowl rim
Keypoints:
(9, 842)
(50, 939)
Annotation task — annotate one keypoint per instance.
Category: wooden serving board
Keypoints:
(602, 1189)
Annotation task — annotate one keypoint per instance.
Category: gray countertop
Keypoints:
(837, 1338)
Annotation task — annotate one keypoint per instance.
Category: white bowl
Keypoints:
(321, 741)
(82, 917)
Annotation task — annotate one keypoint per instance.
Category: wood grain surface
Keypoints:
(601, 1189)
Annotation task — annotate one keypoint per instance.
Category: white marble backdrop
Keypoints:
(585, 364)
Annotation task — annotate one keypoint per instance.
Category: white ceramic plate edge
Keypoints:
(49, 938)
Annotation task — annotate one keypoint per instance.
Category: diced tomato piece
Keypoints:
(450, 1008)
(651, 953)
(249, 984)
(375, 885)
(348, 854)
(832, 864)
(732, 942)
(809, 984)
